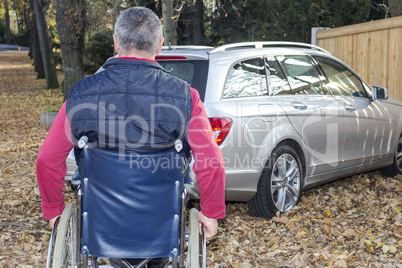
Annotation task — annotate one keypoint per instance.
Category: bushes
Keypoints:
(20, 38)
(98, 49)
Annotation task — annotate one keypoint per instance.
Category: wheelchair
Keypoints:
(128, 206)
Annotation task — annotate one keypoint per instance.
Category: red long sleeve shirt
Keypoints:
(209, 167)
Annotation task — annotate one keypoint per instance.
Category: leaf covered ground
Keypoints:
(355, 222)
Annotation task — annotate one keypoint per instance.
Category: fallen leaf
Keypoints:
(300, 234)
(340, 264)
(392, 249)
(280, 220)
(349, 233)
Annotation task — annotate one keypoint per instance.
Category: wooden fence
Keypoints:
(372, 49)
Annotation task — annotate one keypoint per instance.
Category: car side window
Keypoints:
(302, 76)
(341, 81)
(246, 79)
(277, 82)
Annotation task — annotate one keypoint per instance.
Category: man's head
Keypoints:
(138, 32)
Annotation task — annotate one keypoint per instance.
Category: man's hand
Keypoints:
(210, 225)
(52, 221)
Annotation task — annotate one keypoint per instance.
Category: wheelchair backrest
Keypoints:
(131, 204)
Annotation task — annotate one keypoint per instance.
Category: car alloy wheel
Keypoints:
(285, 182)
(280, 184)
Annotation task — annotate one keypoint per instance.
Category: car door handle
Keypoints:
(298, 105)
(350, 108)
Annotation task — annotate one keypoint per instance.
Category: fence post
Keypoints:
(314, 31)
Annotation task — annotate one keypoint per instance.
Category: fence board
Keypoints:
(372, 49)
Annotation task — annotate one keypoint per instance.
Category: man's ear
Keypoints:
(116, 44)
(160, 46)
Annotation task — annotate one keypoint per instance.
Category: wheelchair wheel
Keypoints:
(193, 258)
(65, 248)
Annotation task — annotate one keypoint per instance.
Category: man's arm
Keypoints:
(51, 165)
(208, 166)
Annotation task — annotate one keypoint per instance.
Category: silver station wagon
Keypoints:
(288, 117)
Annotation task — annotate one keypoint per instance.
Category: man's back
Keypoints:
(132, 105)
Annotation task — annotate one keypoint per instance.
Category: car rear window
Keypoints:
(194, 72)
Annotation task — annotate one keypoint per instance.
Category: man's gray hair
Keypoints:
(138, 28)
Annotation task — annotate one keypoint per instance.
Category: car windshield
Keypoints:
(193, 72)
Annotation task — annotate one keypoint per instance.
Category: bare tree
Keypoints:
(7, 17)
(198, 23)
(35, 43)
(169, 24)
(45, 47)
(28, 23)
(70, 19)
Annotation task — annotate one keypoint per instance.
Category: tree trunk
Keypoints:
(70, 19)
(395, 8)
(7, 15)
(28, 24)
(198, 23)
(45, 47)
(169, 24)
(37, 56)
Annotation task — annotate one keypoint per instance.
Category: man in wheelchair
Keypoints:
(133, 112)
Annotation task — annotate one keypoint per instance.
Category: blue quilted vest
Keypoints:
(131, 106)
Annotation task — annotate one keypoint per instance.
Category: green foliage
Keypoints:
(258, 20)
(151, 4)
(337, 13)
(185, 23)
(227, 22)
(20, 39)
(281, 20)
(378, 10)
(98, 49)
(98, 16)
(54, 109)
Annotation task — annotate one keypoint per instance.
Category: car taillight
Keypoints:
(221, 127)
(170, 58)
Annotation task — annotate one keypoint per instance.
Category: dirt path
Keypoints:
(356, 222)
(23, 232)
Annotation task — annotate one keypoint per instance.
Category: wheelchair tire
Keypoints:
(65, 248)
(193, 257)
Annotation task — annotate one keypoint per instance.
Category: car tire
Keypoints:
(396, 167)
(280, 184)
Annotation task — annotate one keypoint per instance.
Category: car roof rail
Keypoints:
(246, 45)
(185, 47)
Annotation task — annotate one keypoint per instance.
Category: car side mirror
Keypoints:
(379, 93)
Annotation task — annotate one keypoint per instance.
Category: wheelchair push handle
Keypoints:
(82, 142)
